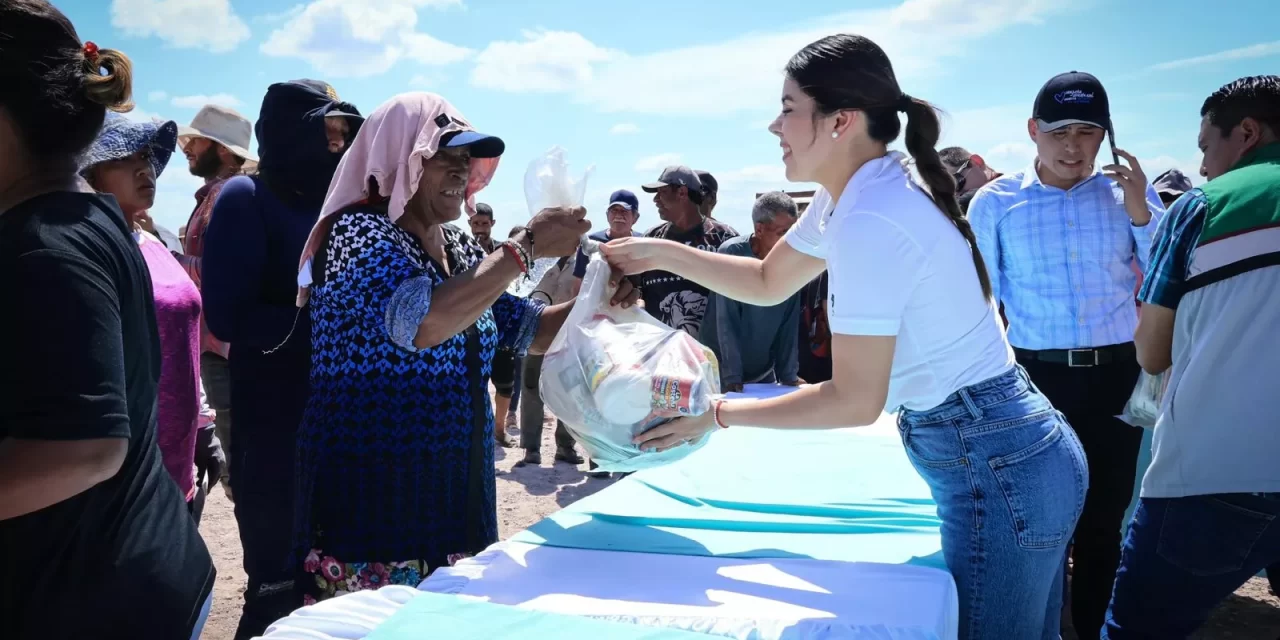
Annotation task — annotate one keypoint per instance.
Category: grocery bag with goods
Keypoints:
(612, 373)
(547, 184)
(1144, 404)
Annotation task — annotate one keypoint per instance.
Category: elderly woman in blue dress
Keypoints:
(395, 455)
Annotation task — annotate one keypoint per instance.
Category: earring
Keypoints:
(835, 135)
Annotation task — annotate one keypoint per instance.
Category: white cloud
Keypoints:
(367, 38)
(770, 174)
(1260, 50)
(624, 128)
(545, 62)
(141, 115)
(211, 25)
(198, 101)
(746, 71)
(157, 96)
(282, 16)
(651, 164)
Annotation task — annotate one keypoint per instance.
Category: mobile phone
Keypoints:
(1115, 157)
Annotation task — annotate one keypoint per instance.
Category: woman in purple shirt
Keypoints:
(124, 162)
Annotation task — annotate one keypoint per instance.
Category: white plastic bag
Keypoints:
(547, 184)
(1144, 404)
(612, 373)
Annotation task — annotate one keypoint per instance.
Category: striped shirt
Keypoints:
(1060, 261)
(1175, 242)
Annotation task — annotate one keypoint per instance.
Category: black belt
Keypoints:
(1081, 357)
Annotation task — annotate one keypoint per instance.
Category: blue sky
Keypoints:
(633, 86)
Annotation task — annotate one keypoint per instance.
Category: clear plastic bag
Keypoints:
(1144, 403)
(612, 373)
(547, 184)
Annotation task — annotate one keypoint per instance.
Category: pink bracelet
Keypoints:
(715, 414)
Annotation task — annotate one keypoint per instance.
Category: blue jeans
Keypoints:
(1183, 556)
(1009, 477)
(204, 617)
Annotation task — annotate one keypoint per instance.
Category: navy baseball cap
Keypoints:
(482, 145)
(625, 198)
(678, 176)
(1071, 98)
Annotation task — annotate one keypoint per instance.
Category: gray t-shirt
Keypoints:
(1218, 430)
(752, 342)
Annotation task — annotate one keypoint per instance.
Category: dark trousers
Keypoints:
(215, 375)
(1183, 556)
(196, 505)
(1090, 398)
(531, 411)
(262, 479)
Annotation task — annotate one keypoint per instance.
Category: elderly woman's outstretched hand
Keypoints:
(557, 232)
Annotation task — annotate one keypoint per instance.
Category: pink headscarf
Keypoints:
(391, 147)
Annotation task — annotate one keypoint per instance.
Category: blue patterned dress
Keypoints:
(395, 455)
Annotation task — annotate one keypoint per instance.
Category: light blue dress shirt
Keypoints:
(1060, 260)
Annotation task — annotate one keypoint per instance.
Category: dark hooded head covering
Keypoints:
(294, 157)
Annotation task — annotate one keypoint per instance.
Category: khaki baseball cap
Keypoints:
(224, 126)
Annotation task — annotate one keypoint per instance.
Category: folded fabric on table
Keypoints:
(743, 599)
(844, 494)
(434, 615)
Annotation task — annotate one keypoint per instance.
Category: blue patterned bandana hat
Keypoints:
(121, 137)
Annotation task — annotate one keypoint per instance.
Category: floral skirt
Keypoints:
(327, 577)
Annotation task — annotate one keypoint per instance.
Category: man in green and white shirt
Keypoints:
(1209, 514)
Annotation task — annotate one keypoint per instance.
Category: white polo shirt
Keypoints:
(897, 266)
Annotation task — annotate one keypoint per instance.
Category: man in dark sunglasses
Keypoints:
(969, 170)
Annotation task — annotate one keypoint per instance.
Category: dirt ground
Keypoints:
(527, 494)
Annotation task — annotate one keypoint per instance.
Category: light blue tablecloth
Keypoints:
(847, 494)
(434, 615)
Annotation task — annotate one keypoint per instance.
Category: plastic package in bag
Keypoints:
(547, 184)
(1144, 403)
(612, 373)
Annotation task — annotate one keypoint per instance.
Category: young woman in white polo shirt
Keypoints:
(914, 331)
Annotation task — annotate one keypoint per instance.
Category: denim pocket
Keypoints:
(1044, 486)
(1209, 535)
(937, 445)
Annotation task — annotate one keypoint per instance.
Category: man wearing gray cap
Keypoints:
(217, 148)
(677, 302)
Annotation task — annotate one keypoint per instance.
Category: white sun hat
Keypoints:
(224, 126)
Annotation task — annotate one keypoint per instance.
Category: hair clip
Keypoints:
(90, 51)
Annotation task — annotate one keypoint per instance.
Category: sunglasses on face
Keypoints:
(960, 177)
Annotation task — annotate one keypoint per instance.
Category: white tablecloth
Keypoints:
(751, 598)
(745, 599)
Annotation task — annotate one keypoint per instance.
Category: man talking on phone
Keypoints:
(1059, 239)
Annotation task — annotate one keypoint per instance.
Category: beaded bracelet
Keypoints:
(515, 253)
